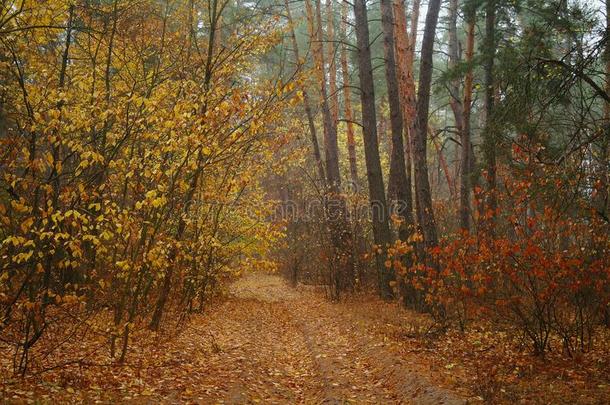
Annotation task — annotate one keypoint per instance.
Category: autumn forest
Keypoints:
(305, 201)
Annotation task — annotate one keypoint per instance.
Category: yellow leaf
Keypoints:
(27, 224)
(19, 207)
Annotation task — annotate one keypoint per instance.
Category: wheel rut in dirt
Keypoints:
(283, 345)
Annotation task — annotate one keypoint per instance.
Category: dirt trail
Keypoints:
(273, 344)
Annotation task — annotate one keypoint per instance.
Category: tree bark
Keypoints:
(398, 184)
(489, 141)
(455, 96)
(422, 183)
(349, 115)
(454, 58)
(332, 68)
(382, 129)
(359, 245)
(466, 157)
(603, 194)
(442, 161)
(406, 86)
(606, 183)
(605, 186)
(414, 23)
(405, 44)
(381, 228)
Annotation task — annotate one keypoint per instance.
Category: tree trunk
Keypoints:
(405, 56)
(454, 58)
(411, 54)
(307, 103)
(398, 187)
(381, 228)
(342, 267)
(332, 68)
(404, 74)
(605, 186)
(349, 115)
(489, 141)
(359, 245)
(603, 193)
(413, 34)
(605, 183)
(455, 96)
(382, 130)
(422, 183)
(331, 150)
(466, 157)
(442, 161)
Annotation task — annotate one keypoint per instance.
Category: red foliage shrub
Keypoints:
(542, 272)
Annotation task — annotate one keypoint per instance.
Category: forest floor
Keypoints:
(270, 343)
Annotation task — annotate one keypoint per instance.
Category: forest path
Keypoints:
(270, 343)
